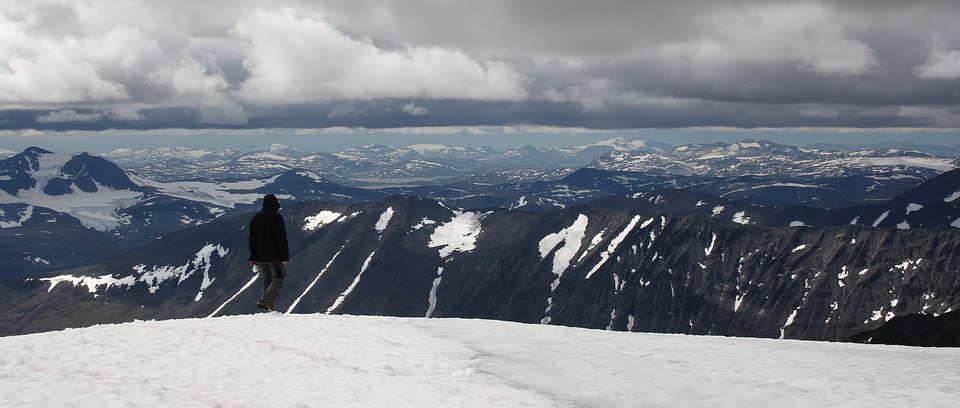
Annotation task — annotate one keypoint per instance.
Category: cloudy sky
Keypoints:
(475, 68)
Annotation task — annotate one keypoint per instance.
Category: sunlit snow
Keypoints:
(741, 218)
(153, 276)
(322, 218)
(457, 235)
(881, 218)
(339, 361)
(384, 220)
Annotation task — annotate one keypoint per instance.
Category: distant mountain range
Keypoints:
(745, 239)
(752, 181)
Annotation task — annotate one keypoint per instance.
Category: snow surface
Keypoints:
(336, 361)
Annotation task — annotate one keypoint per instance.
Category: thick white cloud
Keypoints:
(804, 35)
(605, 63)
(202, 86)
(941, 64)
(296, 58)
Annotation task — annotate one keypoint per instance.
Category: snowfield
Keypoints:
(331, 361)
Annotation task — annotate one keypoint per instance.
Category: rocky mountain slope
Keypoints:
(585, 266)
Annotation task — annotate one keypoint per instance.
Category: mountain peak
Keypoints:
(34, 151)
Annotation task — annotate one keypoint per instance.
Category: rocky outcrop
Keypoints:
(915, 330)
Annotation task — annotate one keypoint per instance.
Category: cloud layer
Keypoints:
(75, 64)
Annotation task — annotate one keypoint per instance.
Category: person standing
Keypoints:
(268, 250)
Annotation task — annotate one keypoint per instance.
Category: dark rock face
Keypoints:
(595, 267)
(915, 330)
(87, 173)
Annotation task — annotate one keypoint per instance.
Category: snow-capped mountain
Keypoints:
(754, 171)
(133, 157)
(364, 163)
(39, 188)
(764, 158)
(586, 266)
(86, 187)
(932, 204)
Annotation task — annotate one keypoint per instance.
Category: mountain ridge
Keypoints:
(582, 266)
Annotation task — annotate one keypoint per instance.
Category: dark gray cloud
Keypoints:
(413, 63)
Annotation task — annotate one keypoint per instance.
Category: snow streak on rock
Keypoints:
(881, 218)
(310, 286)
(343, 296)
(432, 301)
(571, 239)
(713, 241)
(256, 276)
(614, 244)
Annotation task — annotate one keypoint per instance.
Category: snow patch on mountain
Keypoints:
(23, 216)
(384, 220)
(570, 237)
(322, 218)
(158, 275)
(741, 218)
(952, 197)
(457, 235)
(153, 277)
(717, 210)
(93, 283)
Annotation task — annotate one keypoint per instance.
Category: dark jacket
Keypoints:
(268, 236)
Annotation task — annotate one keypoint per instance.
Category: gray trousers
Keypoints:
(272, 274)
